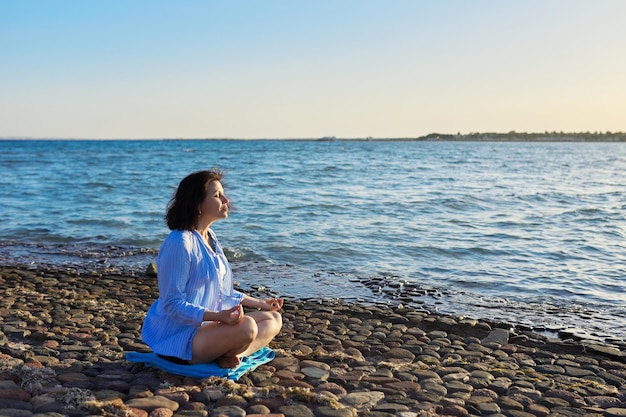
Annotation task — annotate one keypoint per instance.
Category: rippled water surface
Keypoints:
(533, 233)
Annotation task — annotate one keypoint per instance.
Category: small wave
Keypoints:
(242, 254)
(100, 185)
(100, 223)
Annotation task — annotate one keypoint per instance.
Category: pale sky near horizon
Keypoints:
(307, 69)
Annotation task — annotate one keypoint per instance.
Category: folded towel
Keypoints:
(204, 370)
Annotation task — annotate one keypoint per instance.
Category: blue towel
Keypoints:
(204, 370)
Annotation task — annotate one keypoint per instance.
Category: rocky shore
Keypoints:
(64, 335)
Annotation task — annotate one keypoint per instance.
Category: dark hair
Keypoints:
(184, 208)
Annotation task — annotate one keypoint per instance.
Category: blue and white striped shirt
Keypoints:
(192, 279)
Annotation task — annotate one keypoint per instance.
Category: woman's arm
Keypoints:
(271, 304)
(174, 270)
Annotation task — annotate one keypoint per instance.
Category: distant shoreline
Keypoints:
(528, 137)
(431, 137)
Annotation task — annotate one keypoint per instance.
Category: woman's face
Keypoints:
(215, 204)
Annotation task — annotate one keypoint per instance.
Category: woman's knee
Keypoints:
(248, 328)
(277, 320)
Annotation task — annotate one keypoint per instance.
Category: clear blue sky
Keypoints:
(306, 69)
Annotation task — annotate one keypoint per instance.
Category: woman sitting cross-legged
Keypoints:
(199, 317)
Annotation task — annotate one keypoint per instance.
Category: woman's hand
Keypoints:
(271, 304)
(232, 315)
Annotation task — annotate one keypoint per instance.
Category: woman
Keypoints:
(198, 317)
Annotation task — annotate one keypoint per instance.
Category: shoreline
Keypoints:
(63, 337)
(600, 325)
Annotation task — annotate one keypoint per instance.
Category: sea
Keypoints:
(530, 235)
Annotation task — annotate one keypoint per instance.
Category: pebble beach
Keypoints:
(64, 336)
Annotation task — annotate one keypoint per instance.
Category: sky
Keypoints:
(120, 69)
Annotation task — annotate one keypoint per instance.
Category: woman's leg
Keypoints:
(223, 343)
(269, 324)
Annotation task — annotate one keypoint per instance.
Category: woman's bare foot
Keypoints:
(228, 362)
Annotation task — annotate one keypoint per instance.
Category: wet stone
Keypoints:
(573, 398)
(286, 363)
(399, 353)
(603, 401)
(391, 408)
(488, 408)
(161, 412)
(538, 410)
(406, 387)
(487, 394)
(550, 369)
(456, 376)
(109, 394)
(296, 411)
(454, 410)
(553, 402)
(229, 411)
(578, 372)
(615, 412)
(314, 364)
(573, 412)
(500, 385)
(51, 407)
(152, 403)
(15, 412)
(232, 400)
(428, 360)
(295, 384)
(520, 413)
(16, 404)
(286, 374)
(527, 392)
(612, 379)
(363, 400)
(326, 411)
(457, 385)
(14, 394)
(433, 387)
(509, 403)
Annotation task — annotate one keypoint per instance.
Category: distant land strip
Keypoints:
(511, 136)
(529, 137)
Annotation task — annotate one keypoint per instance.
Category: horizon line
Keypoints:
(431, 136)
